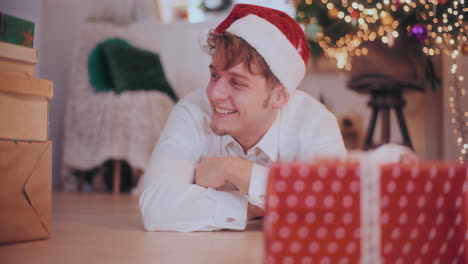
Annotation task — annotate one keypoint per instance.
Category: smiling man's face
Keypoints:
(240, 100)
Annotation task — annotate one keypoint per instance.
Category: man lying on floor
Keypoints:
(209, 169)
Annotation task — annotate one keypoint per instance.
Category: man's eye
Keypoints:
(236, 83)
(214, 76)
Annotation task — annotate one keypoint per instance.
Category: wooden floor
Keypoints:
(100, 228)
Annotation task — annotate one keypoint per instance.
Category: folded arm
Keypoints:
(170, 200)
(248, 177)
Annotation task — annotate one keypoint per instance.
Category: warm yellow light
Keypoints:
(341, 60)
(453, 69)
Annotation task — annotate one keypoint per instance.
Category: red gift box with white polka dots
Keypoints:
(318, 213)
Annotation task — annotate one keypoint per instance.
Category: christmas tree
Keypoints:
(339, 28)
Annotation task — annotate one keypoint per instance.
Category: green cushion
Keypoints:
(98, 67)
(126, 68)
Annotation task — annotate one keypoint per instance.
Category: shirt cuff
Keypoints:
(231, 210)
(257, 186)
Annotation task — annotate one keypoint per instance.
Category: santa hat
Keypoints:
(275, 36)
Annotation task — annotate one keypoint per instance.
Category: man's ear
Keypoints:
(280, 97)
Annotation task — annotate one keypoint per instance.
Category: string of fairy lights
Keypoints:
(459, 115)
(440, 27)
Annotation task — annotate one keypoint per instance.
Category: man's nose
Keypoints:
(218, 90)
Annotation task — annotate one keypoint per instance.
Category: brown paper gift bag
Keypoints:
(25, 190)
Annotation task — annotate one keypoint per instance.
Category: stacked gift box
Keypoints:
(361, 212)
(25, 152)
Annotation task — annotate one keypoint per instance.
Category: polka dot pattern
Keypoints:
(313, 213)
(422, 208)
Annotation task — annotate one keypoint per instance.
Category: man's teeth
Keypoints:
(222, 111)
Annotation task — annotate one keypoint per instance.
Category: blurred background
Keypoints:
(391, 71)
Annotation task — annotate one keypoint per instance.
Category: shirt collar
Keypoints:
(268, 143)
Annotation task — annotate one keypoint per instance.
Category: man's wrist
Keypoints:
(238, 173)
(253, 211)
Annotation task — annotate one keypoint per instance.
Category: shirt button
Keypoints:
(230, 220)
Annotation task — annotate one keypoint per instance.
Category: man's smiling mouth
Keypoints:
(223, 111)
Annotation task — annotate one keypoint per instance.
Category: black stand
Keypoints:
(384, 101)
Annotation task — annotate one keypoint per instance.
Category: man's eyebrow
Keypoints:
(235, 74)
(239, 75)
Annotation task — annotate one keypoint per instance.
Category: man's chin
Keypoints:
(219, 130)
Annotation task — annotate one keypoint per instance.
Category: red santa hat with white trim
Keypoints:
(275, 36)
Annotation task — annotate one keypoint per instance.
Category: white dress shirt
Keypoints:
(171, 201)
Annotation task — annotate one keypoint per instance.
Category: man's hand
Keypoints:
(214, 172)
(211, 172)
(390, 153)
(254, 211)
